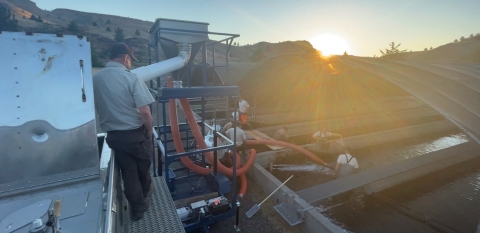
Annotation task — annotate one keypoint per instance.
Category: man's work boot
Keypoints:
(149, 193)
(137, 215)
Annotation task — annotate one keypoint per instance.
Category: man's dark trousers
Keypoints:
(133, 153)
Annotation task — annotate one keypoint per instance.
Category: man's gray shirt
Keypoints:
(118, 95)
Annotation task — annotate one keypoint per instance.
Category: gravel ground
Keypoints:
(266, 220)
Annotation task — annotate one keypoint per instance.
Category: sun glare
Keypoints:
(330, 44)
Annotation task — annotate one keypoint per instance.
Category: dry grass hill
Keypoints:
(57, 21)
(242, 58)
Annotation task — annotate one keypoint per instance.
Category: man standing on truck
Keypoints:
(121, 102)
(243, 107)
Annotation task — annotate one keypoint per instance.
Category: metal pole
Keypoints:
(213, 55)
(160, 165)
(204, 74)
(151, 111)
(237, 217)
(164, 109)
(215, 154)
(229, 44)
(234, 168)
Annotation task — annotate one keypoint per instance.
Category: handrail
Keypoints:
(108, 217)
(219, 134)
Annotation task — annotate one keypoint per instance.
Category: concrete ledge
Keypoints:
(398, 134)
(314, 221)
(310, 127)
(420, 171)
(265, 158)
(319, 192)
(353, 109)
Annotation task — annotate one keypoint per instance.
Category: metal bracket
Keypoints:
(302, 212)
(289, 214)
(114, 208)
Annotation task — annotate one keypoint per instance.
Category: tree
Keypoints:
(258, 55)
(95, 23)
(425, 49)
(95, 61)
(137, 33)
(34, 18)
(345, 53)
(393, 50)
(119, 36)
(455, 41)
(7, 21)
(108, 21)
(431, 48)
(72, 26)
(462, 38)
(108, 29)
(471, 36)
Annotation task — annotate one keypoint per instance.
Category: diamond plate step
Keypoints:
(289, 214)
(162, 214)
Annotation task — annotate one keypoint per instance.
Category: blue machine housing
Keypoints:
(219, 182)
(182, 182)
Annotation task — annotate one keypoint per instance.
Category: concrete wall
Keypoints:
(420, 171)
(350, 122)
(354, 109)
(314, 221)
(265, 158)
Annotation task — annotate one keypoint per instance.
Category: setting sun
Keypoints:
(330, 44)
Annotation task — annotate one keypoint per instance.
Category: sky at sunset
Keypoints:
(362, 26)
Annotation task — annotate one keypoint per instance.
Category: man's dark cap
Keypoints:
(122, 48)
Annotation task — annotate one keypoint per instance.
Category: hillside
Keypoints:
(58, 20)
(466, 51)
(242, 58)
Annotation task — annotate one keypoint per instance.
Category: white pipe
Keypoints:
(147, 73)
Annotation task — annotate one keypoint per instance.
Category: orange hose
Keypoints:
(243, 179)
(289, 145)
(209, 155)
(178, 142)
(185, 160)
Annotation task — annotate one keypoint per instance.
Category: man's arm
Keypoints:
(147, 119)
(337, 166)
